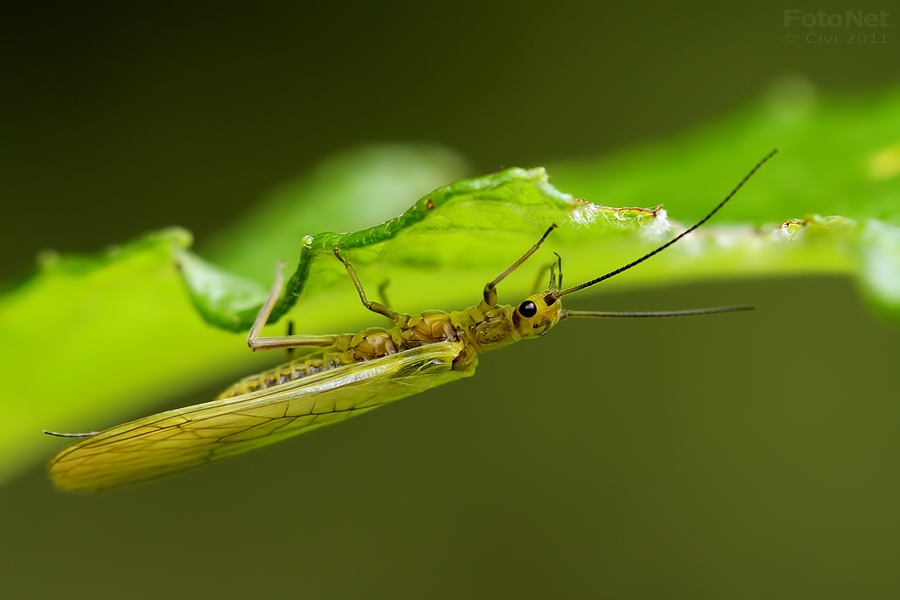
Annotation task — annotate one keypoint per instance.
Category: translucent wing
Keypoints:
(184, 438)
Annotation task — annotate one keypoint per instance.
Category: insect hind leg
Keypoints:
(256, 342)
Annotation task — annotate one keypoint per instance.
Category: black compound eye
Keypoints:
(527, 309)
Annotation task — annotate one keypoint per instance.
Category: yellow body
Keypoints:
(349, 375)
(357, 373)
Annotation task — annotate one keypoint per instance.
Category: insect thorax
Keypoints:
(487, 327)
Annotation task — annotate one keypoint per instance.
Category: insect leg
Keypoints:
(289, 333)
(282, 341)
(554, 268)
(375, 307)
(556, 285)
(382, 292)
(490, 290)
(541, 278)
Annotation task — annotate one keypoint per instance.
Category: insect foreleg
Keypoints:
(554, 268)
(556, 285)
(490, 290)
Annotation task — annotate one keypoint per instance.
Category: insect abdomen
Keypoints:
(297, 369)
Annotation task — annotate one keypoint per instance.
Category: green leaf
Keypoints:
(125, 329)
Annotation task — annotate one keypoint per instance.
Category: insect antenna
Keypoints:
(656, 313)
(638, 261)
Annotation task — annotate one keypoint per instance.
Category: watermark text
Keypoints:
(848, 18)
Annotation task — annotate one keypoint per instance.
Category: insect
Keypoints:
(346, 375)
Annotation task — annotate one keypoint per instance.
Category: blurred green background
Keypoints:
(740, 457)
